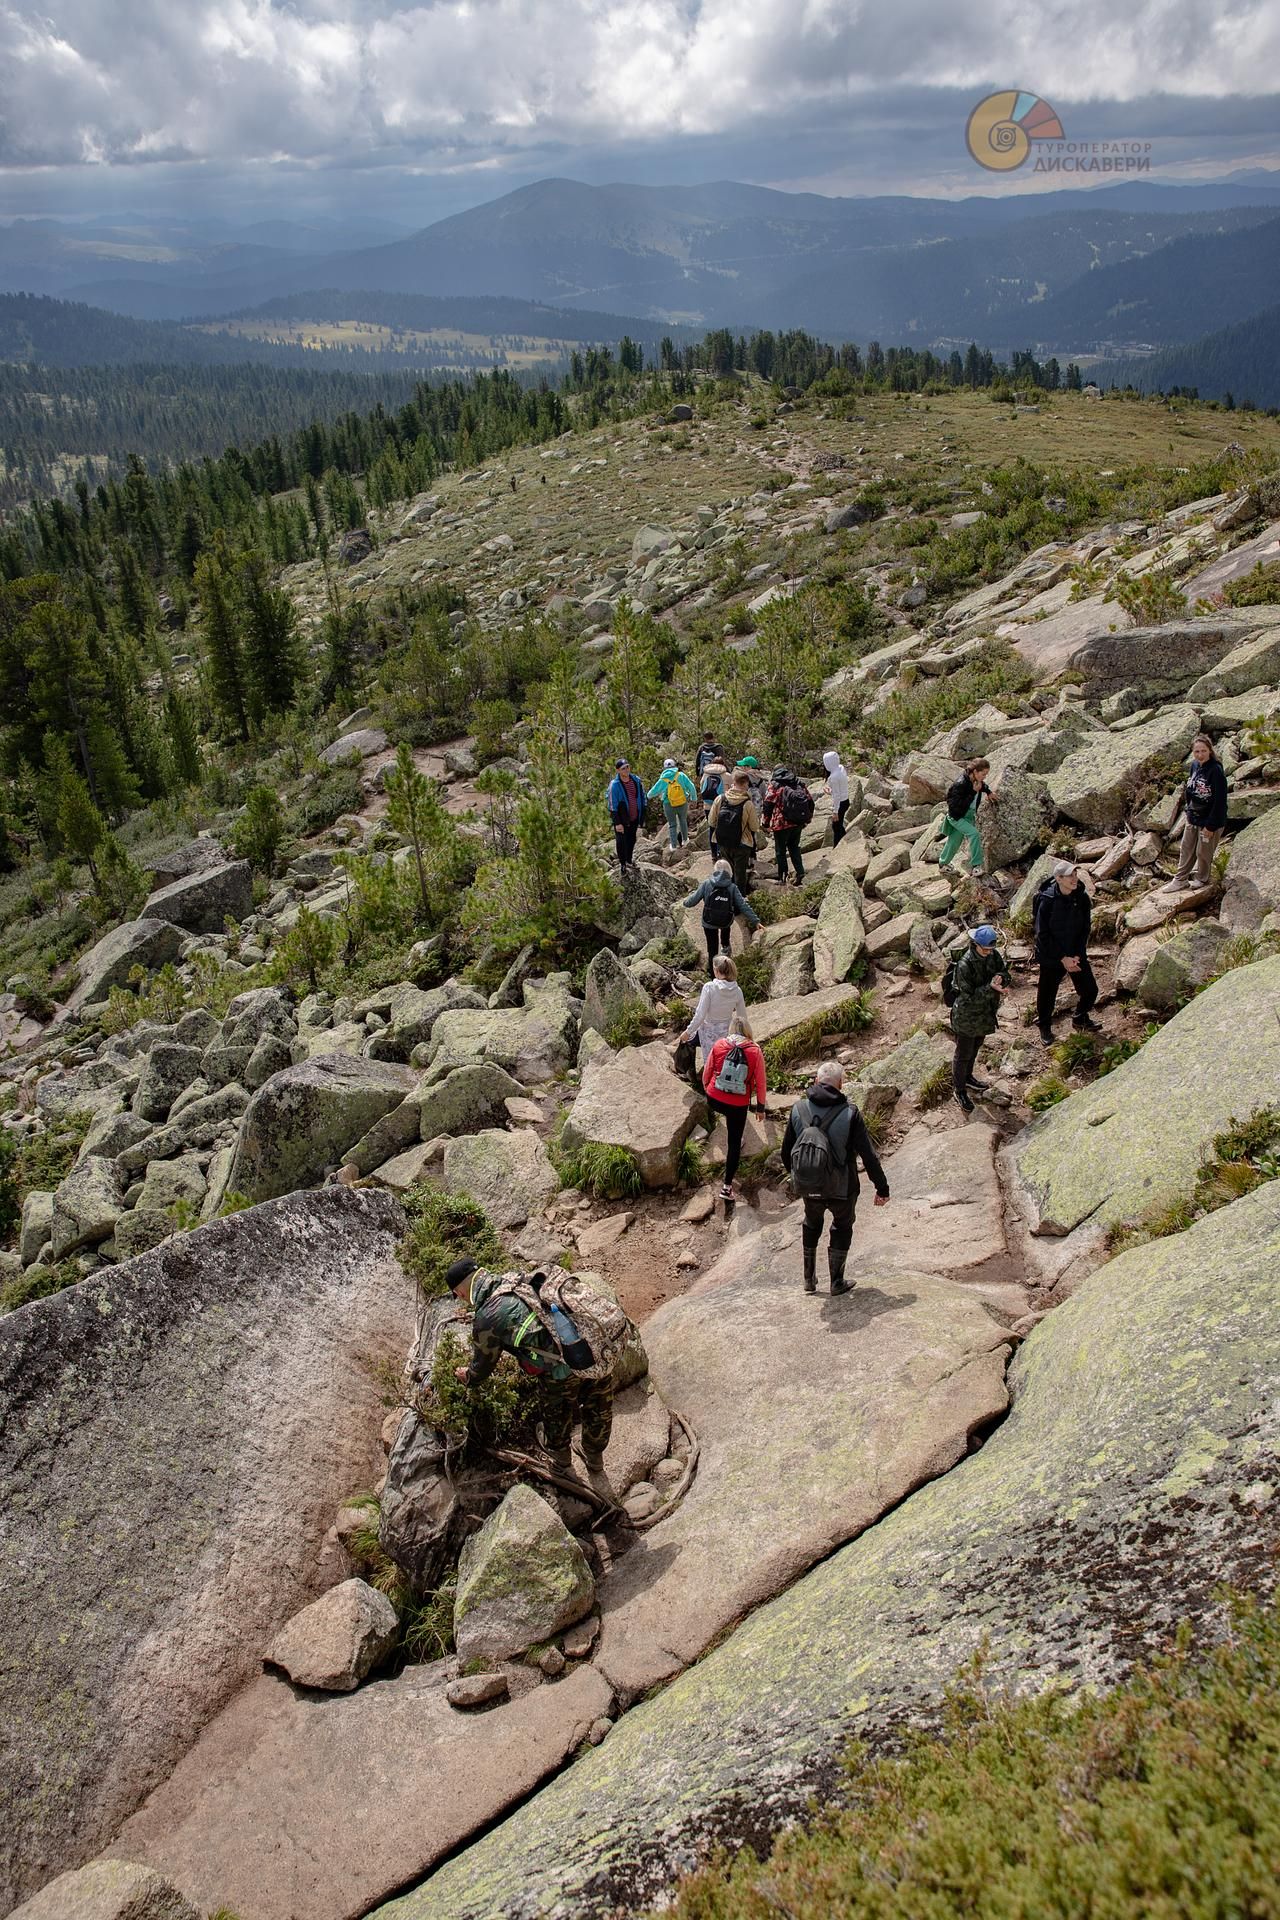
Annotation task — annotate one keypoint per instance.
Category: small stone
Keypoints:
(599, 1731)
(686, 1261)
(551, 1662)
(700, 1208)
(580, 1639)
(667, 1473)
(643, 1500)
(476, 1690)
(523, 1113)
(338, 1639)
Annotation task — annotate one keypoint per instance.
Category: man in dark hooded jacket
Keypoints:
(826, 1106)
(1063, 914)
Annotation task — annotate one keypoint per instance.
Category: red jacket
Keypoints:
(755, 1073)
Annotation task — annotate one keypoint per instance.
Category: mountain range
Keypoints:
(1135, 265)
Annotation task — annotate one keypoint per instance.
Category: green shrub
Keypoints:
(1148, 597)
(629, 1026)
(1243, 1156)
(606, 1173)
(1077, 1053)
(755, 972)
(258, 833)
(1160, 1797)
(487, 1414)
(426, 1625)
(907, 718)
(1259, 588)
(36, 1283)
(442, 1228)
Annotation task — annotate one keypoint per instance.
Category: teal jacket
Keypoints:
(658, 791)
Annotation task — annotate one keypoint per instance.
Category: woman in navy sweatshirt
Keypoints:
(1204, 801)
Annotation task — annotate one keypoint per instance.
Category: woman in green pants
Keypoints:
(961, 822)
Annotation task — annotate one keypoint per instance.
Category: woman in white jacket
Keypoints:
(838, 788)
(720, 1004)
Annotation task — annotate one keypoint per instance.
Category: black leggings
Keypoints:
(736, 1121)
(717, 939)
(837, 823)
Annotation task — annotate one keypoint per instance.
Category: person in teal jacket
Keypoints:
(668, 784)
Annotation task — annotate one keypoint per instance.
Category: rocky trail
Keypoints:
(1008, 1434)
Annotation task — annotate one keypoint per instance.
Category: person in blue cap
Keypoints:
(981, 976)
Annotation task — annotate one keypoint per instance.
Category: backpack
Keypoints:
(735, 1072)
(815, 1167)
(710, 787)
(717, 908)
(729, 824)
(797, 806)
(676, 795)
(601, 1323)
(949, 982)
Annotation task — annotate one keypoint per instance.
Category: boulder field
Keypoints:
(178, 1431)
(1136, 1471)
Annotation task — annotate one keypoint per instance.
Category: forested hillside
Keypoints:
(1242, 362)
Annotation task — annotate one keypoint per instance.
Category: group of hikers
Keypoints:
(567, 1333)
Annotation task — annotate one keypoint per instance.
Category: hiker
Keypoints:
(708, 751)
(711, 779)
(677, 794)
(734, 826)
(720, 1003)
(962, 807)
(788, 809)
(838, 789)
(976, 981)
(756, 780)
(1204, 806)
(1060, 918)
(626, 810)
(561, 1332)
(722, 900)
(732, 1072)
(826, 1136)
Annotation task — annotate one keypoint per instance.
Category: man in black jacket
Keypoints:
(826, 1105)
(1063, 913)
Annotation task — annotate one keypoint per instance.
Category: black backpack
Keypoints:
(816, 1169)
(797, 806)
(717, 908)
(949, 982)
(729, 824)
(1037, 909)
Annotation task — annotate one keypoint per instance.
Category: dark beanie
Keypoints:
(460, 1270)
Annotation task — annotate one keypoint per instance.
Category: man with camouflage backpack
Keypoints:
(826, 1137)
(561, 1332)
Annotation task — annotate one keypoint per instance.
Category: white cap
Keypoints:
(1063, 866)
(668, 765)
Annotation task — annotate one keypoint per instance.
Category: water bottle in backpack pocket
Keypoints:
(577, 1351)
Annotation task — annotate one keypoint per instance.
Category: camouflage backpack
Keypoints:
(599, 1320)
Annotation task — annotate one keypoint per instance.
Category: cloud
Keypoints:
(357, 82)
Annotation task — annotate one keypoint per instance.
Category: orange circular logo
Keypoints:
(1002, 127)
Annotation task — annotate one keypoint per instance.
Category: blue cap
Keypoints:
(984, 936)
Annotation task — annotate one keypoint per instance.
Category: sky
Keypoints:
(315, 109)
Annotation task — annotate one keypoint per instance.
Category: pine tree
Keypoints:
(184, 740)
(81, 827)
(224, 652)
(272, 649)
(415, 813)
(633, 680)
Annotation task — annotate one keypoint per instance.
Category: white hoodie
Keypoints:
(717, 1003)
(837, 779)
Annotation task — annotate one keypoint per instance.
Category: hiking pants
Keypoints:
(736, 1121)
(677, 823)
(968, 1046)
(740, 861)
(1199, 844)
(815, 1213)
(624, 838)
(786, 840)
(717, 939)
(1051, 973)
(837, 823)
(564, 1402)
(955, 832)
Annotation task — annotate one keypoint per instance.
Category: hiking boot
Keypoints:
(1046, 1036)
(974, 1084)
(966, 1104)
(811, 1269)
(836, 1257)
(1083, 1024)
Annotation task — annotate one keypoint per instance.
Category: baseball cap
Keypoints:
(984, 936)
(1063, 866)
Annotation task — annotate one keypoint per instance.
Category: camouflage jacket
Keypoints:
(502, 1323)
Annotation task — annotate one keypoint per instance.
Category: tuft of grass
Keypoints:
(426, 1624)
(629, 1026)
(443, 1227)
(1077, 1053)
(604, 1172)
(804, 1041)
(691, 1167)
(1046, 1092)
(935, 1087)
(1159, 1797)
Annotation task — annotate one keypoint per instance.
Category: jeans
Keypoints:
(717, 939)
(1199, 844)
(736, 1121)
(1051, 972)
(837, 823)
(677, 823)
(815, 1213)
(786, 840)
(956, 831)
(624, 838)
(968, 1046)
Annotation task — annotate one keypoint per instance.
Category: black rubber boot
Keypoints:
(966, 1103)
(811, 1269)
(836, 1257)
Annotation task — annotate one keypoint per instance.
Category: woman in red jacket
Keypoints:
(733, 1073)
